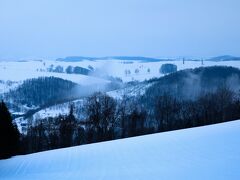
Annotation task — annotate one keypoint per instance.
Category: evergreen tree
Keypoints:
(67, 127)
(9, 135)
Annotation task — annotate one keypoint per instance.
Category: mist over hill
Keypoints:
(190, 83)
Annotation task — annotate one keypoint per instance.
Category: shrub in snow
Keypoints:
(136, 71)
(127, 72)
(80, 70)
(69, 70)
(168, 68)
(58, 69)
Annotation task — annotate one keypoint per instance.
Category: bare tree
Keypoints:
(101, 110)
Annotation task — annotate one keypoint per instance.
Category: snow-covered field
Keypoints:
(19, 71)
(210, 152)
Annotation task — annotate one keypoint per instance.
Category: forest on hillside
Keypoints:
(179, 100)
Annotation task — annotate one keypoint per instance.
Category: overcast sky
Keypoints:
(155, 28)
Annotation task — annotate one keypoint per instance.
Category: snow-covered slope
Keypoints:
(130, 90)
(5, 86)
(210, 152)
(59, 109)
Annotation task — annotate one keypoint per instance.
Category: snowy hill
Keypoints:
(225, 58)
(14, 73)
(210, 152)
(18, 71)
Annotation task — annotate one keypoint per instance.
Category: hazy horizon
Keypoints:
(149, 28)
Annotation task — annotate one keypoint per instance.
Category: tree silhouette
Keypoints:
(9, 134)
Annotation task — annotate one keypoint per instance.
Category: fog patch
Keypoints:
(191, 86)
(233, 83)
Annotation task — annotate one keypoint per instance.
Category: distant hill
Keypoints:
(76, 58)
(81, 58)
(140, 58)
(225, 58)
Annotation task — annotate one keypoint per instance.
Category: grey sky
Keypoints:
(57, 28)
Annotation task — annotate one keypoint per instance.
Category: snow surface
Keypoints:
(56, 110)
(210, 152)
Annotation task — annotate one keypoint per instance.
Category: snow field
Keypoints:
(209, 152)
